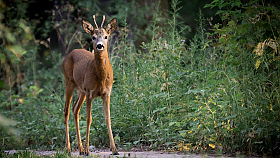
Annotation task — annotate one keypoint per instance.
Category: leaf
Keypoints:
(219, 12)
(159, 110)
(231, 23)
(10, 37)
(272, 44)
(258, 49)
(171, 123)
(212, 146)
(23, 52)
(40, 90)
(20, 100)
(268, 17)
(258, 142)
(222, 40)
(183, 134)
(224, 17)
(205, 45)
(216, 26)
(208, 5)
(258, 63)
(16, 49)
(238, 4)
(169, 143)
(54, 138)
(270, 107)
(119, 138)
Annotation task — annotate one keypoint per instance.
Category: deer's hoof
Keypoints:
(82, 153)
(115, 153)
(68, 151)
(86, 154)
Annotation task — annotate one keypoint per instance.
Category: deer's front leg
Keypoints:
(89, 119)
(106, 106)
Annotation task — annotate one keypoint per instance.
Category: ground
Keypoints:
(127, 154)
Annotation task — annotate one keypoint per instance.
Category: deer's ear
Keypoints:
(88, 27)
(112, 25)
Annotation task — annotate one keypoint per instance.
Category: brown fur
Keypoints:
(92, 75)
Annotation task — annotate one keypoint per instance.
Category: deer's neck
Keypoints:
(101, 64)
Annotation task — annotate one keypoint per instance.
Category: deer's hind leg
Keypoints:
(76, 110)
(89, 119)
(69, 89)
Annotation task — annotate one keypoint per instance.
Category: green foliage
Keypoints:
(32, 154)
(220, 93)
(249, 40)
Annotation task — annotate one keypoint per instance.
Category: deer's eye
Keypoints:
(93, 38)
(105, 37)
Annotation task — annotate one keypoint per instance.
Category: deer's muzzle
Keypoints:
(99, 46)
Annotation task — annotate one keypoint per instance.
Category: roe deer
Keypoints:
(92, 75)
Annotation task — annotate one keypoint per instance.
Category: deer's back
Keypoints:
(75, 65)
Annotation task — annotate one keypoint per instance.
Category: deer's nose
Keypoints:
(99, 46)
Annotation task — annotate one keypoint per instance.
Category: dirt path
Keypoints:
(132, 154)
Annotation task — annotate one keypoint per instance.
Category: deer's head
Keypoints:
(100, 35)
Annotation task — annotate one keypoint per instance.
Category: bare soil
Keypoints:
(129, 154)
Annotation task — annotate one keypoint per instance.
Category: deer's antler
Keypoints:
(95, 21)
(102, 21)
